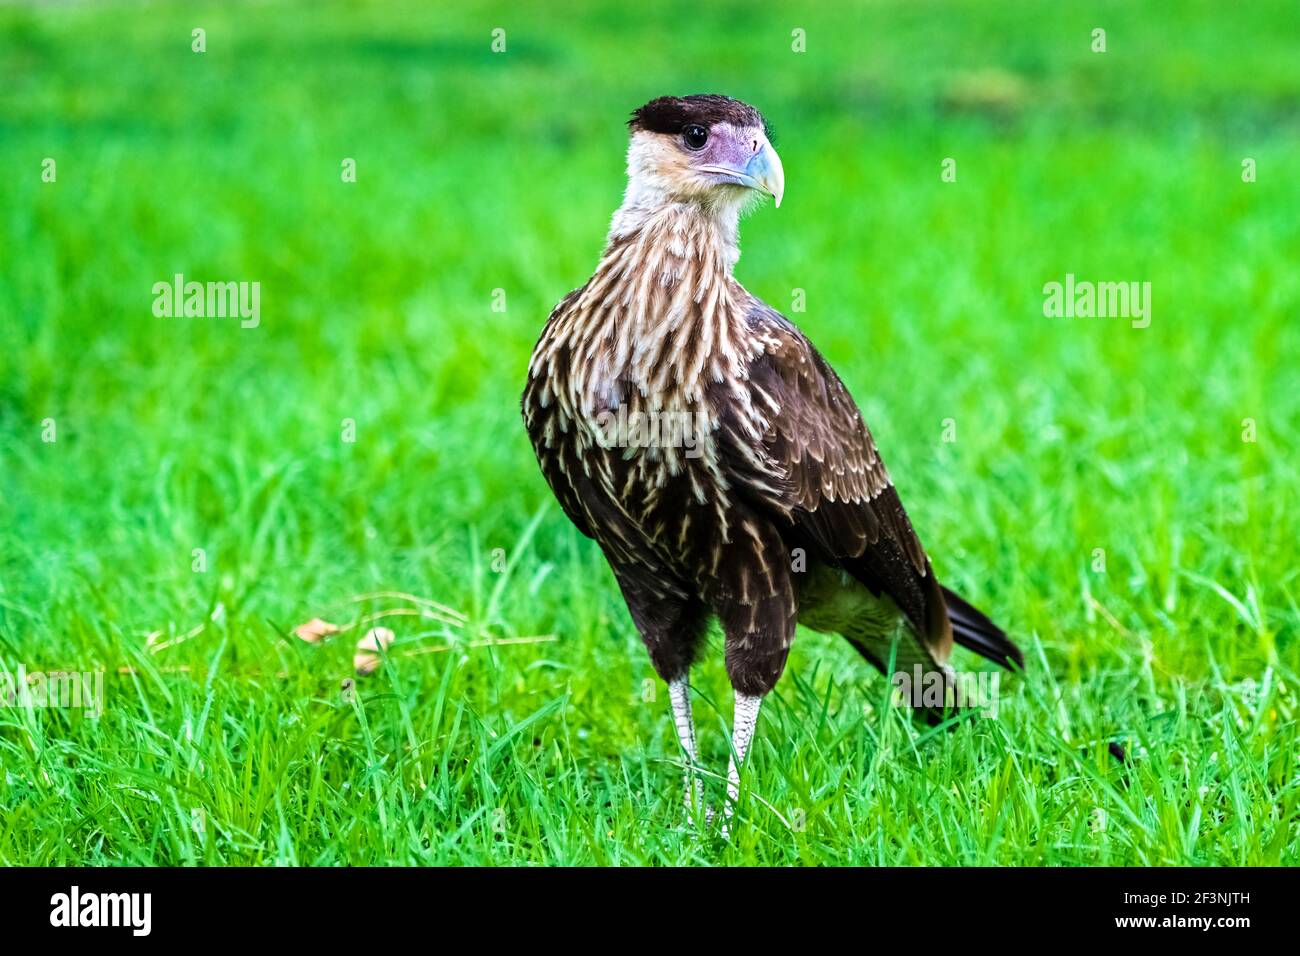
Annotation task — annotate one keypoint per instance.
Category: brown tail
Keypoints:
(974, 631)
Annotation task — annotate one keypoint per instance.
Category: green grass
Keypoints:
(481, 171)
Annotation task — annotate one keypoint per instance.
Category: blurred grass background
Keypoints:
(481, 171)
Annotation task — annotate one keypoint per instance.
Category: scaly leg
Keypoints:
(679, 691)
(742, 734)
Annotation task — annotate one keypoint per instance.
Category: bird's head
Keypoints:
(705, 149)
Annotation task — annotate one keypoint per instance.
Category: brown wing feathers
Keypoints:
(825, 476)
(829, 481)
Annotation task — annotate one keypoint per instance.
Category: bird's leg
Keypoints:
(679, 691)
(742, 734)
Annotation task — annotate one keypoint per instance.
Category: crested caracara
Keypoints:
(716, 458)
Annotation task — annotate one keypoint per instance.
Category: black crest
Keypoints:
(668, 114)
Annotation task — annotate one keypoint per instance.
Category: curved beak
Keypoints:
(764, 172)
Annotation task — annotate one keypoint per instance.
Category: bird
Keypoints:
(724, 470)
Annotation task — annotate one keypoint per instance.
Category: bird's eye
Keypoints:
(695, 136)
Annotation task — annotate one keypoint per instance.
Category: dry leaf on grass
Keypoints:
(367, 658)
(315, 630)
